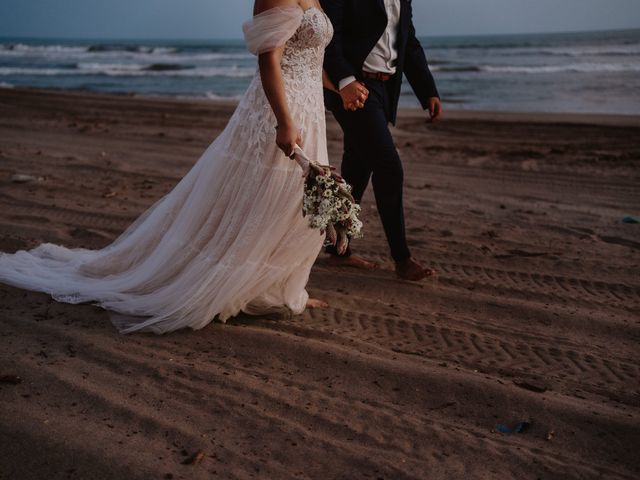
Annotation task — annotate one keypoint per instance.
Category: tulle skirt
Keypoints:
(230, 237)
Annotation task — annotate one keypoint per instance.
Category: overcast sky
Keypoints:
(222, 18)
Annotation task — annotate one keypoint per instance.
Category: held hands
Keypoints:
(354, 96)
(287, 136)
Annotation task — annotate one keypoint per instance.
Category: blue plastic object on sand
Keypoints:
(519, 428)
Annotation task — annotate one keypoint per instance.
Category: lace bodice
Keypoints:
(304, 52)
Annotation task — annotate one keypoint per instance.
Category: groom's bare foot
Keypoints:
(313, 303)
(411, 270)
(352, 261)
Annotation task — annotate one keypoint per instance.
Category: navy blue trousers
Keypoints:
(370, 154)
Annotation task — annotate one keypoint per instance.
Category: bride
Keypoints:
(230, 236)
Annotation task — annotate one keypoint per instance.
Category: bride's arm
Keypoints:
(287, 133)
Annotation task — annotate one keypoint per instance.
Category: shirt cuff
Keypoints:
(346, 81)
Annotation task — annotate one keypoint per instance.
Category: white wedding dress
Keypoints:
(230, 236)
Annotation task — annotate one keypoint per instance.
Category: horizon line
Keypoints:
(186, 39)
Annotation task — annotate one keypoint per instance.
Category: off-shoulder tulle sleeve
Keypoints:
(271, 29)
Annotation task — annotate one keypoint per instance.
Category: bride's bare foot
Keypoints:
(352, 261)
(315, 303)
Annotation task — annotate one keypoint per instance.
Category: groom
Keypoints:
(374, 43)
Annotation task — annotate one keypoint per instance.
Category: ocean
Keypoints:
(595, 72)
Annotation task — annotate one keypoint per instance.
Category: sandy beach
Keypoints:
(534, 316)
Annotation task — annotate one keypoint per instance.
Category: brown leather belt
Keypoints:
(383, 77)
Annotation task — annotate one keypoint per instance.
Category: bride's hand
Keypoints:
(287, 136)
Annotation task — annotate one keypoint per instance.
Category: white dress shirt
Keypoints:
(384, 56)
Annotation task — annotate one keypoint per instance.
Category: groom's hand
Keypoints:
(354, 95)
(435, 109)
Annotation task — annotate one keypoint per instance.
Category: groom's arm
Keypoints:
(335, 63)
(418, 73)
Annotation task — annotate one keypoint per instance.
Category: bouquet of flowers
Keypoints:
(328, 202)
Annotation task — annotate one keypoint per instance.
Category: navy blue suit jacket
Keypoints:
(358, 25)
